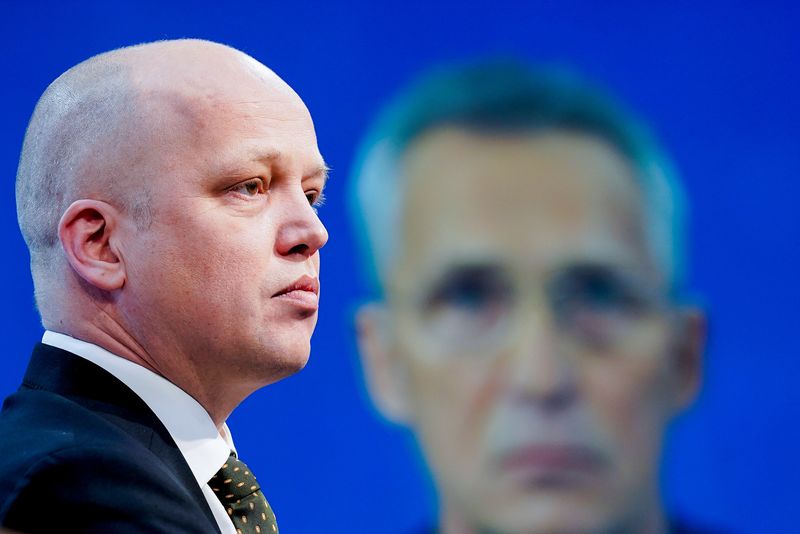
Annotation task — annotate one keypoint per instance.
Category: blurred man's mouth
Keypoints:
(553, 465)
(303, 292)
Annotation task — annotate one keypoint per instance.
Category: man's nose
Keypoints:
(302, 234)
(540, 373)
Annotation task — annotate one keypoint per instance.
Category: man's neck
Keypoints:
(118, 341)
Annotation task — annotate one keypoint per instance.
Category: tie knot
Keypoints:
(233, 481)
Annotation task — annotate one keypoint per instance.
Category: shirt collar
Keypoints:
(203, 447)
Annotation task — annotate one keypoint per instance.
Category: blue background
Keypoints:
(719, 82)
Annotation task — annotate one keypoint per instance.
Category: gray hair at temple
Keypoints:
(506, 97)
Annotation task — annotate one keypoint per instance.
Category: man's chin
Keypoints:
(264, 365)
(557, 520)
(296, 363)
(292, 361)
(568, 510)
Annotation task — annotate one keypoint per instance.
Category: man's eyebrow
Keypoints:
(322, 171)
(237, 168)
(267, 158)
(470, 268)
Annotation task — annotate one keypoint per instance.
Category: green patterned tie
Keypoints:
(240, 494)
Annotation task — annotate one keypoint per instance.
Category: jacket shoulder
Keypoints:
(82, 465)
(91, 489)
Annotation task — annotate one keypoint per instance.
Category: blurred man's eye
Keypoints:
(597, 304)
(470, 289)
(468, 307)
(596, 289)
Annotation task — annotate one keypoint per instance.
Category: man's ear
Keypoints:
(385, 375)
(86, 231)
(687, 363)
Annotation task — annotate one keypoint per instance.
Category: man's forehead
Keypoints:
(547, 161)
(202, 106)
(520, 198)
(200, 81)
(232, 130)
(464, 176)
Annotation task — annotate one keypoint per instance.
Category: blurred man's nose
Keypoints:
(540, 374)
(302, 234)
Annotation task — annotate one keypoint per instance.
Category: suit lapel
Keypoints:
(61, 372)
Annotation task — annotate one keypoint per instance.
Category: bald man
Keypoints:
(167, 195)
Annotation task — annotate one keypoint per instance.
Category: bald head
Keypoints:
(105, 128)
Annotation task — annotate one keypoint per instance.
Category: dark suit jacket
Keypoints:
(80, 452)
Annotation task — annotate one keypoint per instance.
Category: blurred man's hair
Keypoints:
(506, 97)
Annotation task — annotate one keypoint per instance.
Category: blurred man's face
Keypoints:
(538, 357)
(227, 271)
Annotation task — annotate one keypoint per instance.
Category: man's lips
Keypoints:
(304, 283)
(552, 460)
(303, 293)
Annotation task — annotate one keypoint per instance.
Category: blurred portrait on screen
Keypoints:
(524, 233)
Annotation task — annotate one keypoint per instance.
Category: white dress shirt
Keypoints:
(203, 447)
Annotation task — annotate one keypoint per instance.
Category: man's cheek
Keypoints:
(629, 411)
(453, 406)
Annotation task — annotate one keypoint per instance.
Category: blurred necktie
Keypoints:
(240, 494)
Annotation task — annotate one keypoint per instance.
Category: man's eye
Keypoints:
(250, 188)
(471, 290)
(315, 199)
(596, 290)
